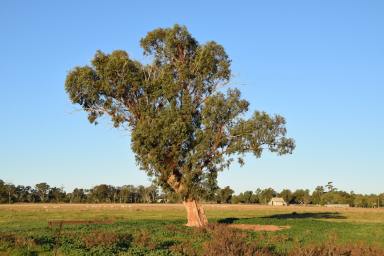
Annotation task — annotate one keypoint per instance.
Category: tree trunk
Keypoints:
(195, 214)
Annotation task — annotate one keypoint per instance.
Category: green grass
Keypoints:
(157, 229)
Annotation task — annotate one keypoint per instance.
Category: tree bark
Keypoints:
(195, 214)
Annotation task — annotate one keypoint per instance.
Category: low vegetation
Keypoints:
(158, 229)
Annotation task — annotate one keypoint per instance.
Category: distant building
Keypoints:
(277, 201)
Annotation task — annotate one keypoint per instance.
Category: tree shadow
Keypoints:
(229, 220)
(293, 215)
(307, 215)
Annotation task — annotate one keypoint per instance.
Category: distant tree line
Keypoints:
(44, 193)
(322, 195)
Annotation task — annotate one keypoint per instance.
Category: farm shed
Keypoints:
(277, 201)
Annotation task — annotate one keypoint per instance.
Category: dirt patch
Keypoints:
(258, 227)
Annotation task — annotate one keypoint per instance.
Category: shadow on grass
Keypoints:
(230, 220)
(307, 215)
(293, 215)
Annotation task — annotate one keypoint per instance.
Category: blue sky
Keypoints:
(318, 63)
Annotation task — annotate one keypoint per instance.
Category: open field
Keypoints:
(159, 227)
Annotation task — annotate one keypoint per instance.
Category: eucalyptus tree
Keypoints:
(224, 195)
(42, 190)
(184, 128)
(286, 194)
(78, 195)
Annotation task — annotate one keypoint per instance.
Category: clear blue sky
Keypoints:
(318, 63)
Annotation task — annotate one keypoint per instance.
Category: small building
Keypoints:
(277, 201)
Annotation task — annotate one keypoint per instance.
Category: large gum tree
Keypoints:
(184, 130)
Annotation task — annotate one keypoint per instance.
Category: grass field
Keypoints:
(158, 229)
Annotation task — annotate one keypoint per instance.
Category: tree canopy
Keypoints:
(184, 128)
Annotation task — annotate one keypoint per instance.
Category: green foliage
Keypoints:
(286, 194)
(317, 195)
(42, 190)
(224, 195)
(247, 197)
(183, 129)
(301, 196)
(4, 192)
(265, 195)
